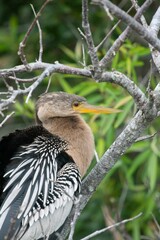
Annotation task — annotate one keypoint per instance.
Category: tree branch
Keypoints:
(40, 36)
(137, 27)
(48, 69)
(122, 80)
(60, 68)
(120, 40)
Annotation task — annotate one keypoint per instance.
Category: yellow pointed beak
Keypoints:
(87, 108)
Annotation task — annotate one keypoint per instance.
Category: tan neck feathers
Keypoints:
(79, 137)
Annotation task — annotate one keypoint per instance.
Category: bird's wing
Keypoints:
(32, 185)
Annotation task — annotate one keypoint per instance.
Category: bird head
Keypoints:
(61, 104)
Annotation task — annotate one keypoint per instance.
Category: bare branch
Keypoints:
(40, 36)
(81, 33)
(48, 85)
(29, 90)
(126, 83)
(23, 80)
(46, 73)
(24, 41)
(120, 40)
(110, 227)
(89, 39)
(113, 77)
(112, 29)
(60, 68)
(142, 18)
(137, 27)
(47, 68)
(155, 27)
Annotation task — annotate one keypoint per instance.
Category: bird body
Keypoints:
(41, 168)
(37, 184)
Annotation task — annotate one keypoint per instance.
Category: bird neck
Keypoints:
(78, 134)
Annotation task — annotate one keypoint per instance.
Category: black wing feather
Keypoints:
(10, 144)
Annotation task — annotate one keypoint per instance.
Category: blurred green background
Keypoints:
(133, 185)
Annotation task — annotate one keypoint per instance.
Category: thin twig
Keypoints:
(23, 80)
(46, 73)
(81, 33)
(147, 137)
(83, 55)
(112, 226)
(49, 83)
(89, 39)
(40, 36)
(10, 88)
(6, 118)
(96, 155)
(110, 32)
(24, 41)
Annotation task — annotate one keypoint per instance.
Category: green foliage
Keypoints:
(26, 110)
(132, 186)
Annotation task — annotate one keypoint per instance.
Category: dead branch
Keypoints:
(89, 39)
(110, 227)
(24, 41)
(123, 36)
(6, 118)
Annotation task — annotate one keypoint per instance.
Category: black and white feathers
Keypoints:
(38, 183)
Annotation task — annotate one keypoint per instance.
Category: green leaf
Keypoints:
(65, 85)
(137, 162)
(152, 170)
(121, 116)
(68, 52)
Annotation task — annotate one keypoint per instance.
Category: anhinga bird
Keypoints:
(41, 167)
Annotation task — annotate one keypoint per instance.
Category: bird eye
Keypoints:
(76, 104)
